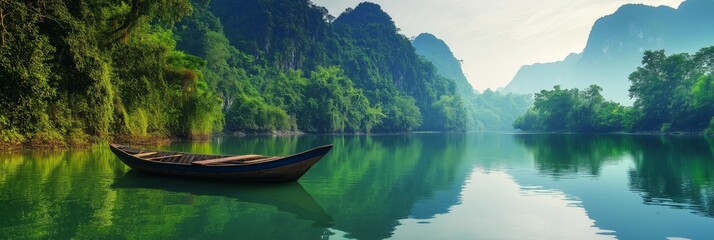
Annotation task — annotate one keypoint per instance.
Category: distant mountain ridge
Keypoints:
(615, 46)
(438, 53)
(486, 111)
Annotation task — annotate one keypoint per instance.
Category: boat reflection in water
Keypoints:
(289, 197)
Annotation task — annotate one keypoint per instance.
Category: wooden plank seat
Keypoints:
(146, 154)
(260, 160)
(227, 159)
(163, 157)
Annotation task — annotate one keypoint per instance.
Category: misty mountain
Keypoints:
(438, 53)
(383, 62)
(615, 46)
(486, 111)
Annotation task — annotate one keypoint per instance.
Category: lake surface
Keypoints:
(418, 186)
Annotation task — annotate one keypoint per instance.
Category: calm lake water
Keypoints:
(418, 186)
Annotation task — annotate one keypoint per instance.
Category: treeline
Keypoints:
(672, 93)
(76, 71)
(573, 110)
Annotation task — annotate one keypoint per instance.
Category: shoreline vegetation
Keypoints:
(73, 73)
(673, 94)
(76, 73)
(153, 141)
(80, 72)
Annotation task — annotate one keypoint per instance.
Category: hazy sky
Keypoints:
(496, 37)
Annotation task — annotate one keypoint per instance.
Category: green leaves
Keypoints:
(402, 114)
(385, 64)
(334, 105)
(573, 110)
(252, 114)
(137, 69)
(132, 14)
(378, 83)
(703, 92)
(672, 93)
(69, 80)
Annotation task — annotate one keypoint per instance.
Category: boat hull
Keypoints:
(286, 169)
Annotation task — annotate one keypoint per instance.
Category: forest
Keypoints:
(672, 93)
(77, 72)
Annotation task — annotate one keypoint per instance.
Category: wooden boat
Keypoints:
(243, 168)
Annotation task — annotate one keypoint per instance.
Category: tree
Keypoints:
(252, 114)
(654, 86)
(334, 105)
(573, 110)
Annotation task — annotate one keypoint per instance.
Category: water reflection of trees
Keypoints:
(564, 154)
(90, 195)
(676, 171)
(366, 184)
(374, 181)
(369, 183)
(55, 195)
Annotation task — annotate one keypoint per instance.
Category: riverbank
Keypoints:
(269, 133)
(153, 140)
(162, 139)
(82, 142)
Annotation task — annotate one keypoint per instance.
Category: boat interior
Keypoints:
(195, 159)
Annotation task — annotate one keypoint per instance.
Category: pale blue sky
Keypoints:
(496, 37)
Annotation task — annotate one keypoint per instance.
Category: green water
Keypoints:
(419, 186)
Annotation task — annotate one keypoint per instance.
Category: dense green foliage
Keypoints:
(333, 104)
(77, 71)
(672, 93)
(326, 74)
(386, 66)
(572, 110)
